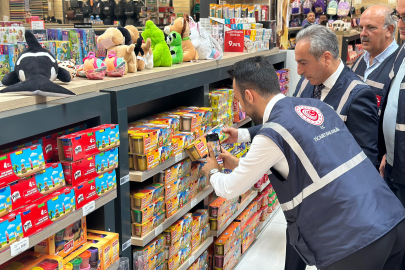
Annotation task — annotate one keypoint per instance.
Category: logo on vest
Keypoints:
(310, 114)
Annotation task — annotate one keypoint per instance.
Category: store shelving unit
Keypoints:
(163, 91)
(196, 253)
(114, 266)
(56, 227)
(242, 123)
(23, 124)
(241, 207)
(142, 241)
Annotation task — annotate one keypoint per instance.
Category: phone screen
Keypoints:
(216, 145)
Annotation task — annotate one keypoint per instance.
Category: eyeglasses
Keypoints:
(395, 15)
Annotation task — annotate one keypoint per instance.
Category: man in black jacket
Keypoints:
(325, 77)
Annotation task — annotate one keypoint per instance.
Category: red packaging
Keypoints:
(50, 146)
(85, 193)
(88, 142)
(24, 192)
(265, 13)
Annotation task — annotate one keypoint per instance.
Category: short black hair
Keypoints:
(323, 15)
(256, 73)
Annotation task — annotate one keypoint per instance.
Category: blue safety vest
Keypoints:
(334, 200)
(340, 96)
(398, 168)
(377, 78)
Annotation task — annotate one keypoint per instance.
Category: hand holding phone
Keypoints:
(216, 145)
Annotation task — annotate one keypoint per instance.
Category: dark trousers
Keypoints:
(386, 253)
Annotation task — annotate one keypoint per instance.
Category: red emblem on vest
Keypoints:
(378, 100)
(310, 114)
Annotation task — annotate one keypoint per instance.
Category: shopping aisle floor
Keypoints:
(268, 252)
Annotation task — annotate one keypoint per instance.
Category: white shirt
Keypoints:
(330, 82)
(263, 155)
(378, 59)
(390, 114)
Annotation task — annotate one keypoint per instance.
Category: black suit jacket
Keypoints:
(361, 120)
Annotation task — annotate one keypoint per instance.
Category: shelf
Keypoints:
(241, 123)
(114, 266)
(57, 226)
(270, 218)
(241, 207)
(294, 30)
(197, 253)
(262, 187)
(140, 176)
(138, 241)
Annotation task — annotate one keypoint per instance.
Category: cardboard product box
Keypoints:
(218, 207)
(90, 167)
(172, 205)
(21, 163)
(185, 254)
(200, 220)
(65, 241)
(75, 46)
(198, 149)
(196, 241)
(181, 141)
(184, 198)
(44, 261)
(85, 193)
(143, 142)
(142, 198)
(140, 230)
(10, 230)
(112, 238)
(62, 50)
(174, 232)
(98, 248)
(88, 142)
(106, 247)
(44, 211)
(193, 188)
(174, 262)
(140, 216)
(151, 159)
(50, 179)
(4, 66)
(184, 182)
(26, 258)
(169, 175)
(165, 133)
(106, 182)
(154, 247)
(227, 238)
(172, 120)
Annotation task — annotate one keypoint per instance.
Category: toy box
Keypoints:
(227, 238)
(88, 142)
(140, 216)
(187, 220)
(43, 262)
(184, 182)
(185, 168)
(21, 163)
(62, 50)
(10, 230)
(218, 207)
(99, 258)
(145, 162)
(143, 142)
(4, 66)
(165, 133)
(106, 182)
(12, 55)
(205, 232)
(173, 121)
(198, 149)
(76, 52)
(61, 204)
(181, 141)
(65, 241)
(91, 167)
(200, 220)
(112, 237)
(4, 35)
(24, 259)
(106, 247)
(140, 230)
(172, 205)
(169, 175)
(155, 246)
(50, 179)
(143, 198)
(174, 262)
(185, 254)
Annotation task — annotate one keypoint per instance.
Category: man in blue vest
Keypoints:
(377, 37)
(325, 77)
(340, 213)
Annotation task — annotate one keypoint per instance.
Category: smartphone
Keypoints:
(216, 145)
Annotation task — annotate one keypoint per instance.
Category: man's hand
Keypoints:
(233, 135)
(382, 166)
(211, 162)
(230, 161)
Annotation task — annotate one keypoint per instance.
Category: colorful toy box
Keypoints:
(172, 205)
(105, 246)
(174, 262)
(21, 163)
(112, 238)
(62, 50)
(143, 198)
(88, 142)
(24, 259)
(4, 66)
(143, 142)
(198, 149)
(50, 179)
(140, 216)
(140, 230)
(65, 241)
(45, 261)
(10, 230)
(106, 182)
(155, 246)
(90, 167)
(98, 248)
(181, 141)
(169, 175)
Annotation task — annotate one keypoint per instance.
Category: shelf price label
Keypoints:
(159, 230)
(178, 157)
(194, 203)
(88, 208)
(126, 245)
(19, 247)
(228, 222)
(191, 260)
(124, 179)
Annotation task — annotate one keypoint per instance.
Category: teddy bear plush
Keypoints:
(181, 25)
(147, 48)
(174, 41)
(119, 40)
(161, 52)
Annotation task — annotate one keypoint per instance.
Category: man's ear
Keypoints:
(249, 96)
(390, 29)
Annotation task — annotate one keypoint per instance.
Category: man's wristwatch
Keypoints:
(213, 171)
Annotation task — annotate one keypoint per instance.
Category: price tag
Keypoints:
(191, 260)
(37, 25)
(228, 222)
(194, 202)
(124, 179)
(19, 247)
(159, 230)
(126, 245)
(178, 157)
(88, 208)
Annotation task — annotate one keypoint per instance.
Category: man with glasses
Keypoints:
(377, 27)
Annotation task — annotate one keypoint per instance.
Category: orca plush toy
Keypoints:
(34, 71)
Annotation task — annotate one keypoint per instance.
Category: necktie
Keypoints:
(318, 91)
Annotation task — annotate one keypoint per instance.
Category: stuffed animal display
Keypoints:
(181, 25)
(34, 71)
(161, 52)
(70, 66)
(147, 48)
(174, 41)
(116, 66)
(137, 41)
(94, 67)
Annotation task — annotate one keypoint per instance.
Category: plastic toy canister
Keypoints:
(76, 263)
(85, 259)
(68, 266)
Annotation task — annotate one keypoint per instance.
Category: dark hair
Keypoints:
(310, 13)
(256, 73)
(323, 15)
(323, 23)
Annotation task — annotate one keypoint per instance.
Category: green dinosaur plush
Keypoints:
(160, 50)
(176, 49)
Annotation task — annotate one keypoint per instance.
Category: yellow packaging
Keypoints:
(143, 142)
(195, 241)
(106, 248)
(171, 189)
(113, 240)
(100, 249)
(140, 230)
(174, 262)
(148, 161)
(198, 149)
(181, 141)
(172, 205)
(174, 249)
(174, 232)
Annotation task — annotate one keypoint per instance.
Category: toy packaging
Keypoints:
(140, 230)
(62, 50)
(10, 230)
(21, 163)
(140, 216)
(24, 259)
(106, 182)
(4, 66)
(113, 240)
(172, 205)
(198, 149)
(182, 141)
(88, 142)
(92, 256)
(145, 197)
(50, 179)
(65, 241)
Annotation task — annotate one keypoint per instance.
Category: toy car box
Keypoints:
(21, 163)
(65, 241)
(90, 167)
(88, 142)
